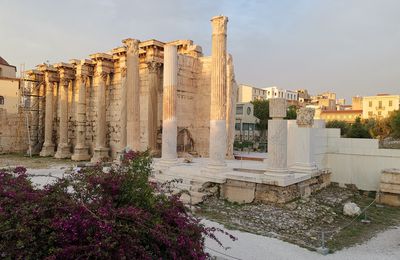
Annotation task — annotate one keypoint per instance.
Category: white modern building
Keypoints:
(247, 93)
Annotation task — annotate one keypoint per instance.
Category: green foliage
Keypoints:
(291, 112)
(378, 128)
(342, 125)
(242, 144)
(394, 121)
(358, 130)
(261, 111)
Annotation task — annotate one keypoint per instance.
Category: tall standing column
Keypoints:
(124, 101)
(230, 108)
(63, 148)
(81, 150)
(169, 132)
(218, 93)
(48, 145)
(154, 68)
(100, 150)
(133, 94)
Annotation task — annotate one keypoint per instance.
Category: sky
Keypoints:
(351, 47)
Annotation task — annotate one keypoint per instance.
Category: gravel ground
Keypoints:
(385, 246)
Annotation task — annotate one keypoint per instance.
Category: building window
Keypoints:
(370, 103)
(1, 72)
(379, 113)
(246, 126)
(390, 103)
(369, 113)
(248, 110)
(380, 104)
(1, 100)
(239, 110)
(237, 126)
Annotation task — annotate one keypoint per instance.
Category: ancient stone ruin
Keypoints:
(126, 98)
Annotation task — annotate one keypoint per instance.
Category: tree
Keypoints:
(342, 125)
(261, 111)
(394, 120)
(358, 130)
(378, 128)
(291, 112)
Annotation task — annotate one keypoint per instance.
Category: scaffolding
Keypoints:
(29, 104)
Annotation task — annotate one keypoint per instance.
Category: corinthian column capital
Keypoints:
(132, 46)
(219, 24)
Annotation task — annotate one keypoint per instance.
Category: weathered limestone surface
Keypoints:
(169, 133)
(120, 101)
(218, 93)
(103, 70)
(389, 188)
(66, 76)
(50, 78)
(230, 108)
(13, 133)
(277, 136)
(83, 69)
(133, 94)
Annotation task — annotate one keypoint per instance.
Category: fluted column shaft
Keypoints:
(133, 94)
(170, 82)
(101, 112)
(218, 92)
(123, 109)
(48, 145)
(153, 104)
(35, 114)
(63, 149)
(81, 150)
(230, 108)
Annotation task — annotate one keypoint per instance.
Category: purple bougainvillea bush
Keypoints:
(96, 214)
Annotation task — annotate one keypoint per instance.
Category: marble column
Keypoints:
(81, 150)
(277, 137)
(101, 150)
(154, 68)
(218, 93)
(304, 154)
(169, 124)
(230, 108)
(63, 148)
(123, 109)
(34, 132)
(48, 145)
(132, 94)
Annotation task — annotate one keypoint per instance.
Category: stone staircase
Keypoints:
(194, 190)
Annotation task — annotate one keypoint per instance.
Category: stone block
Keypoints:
(277, 107)
(239, 191)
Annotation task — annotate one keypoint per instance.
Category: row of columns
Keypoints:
(130, 108)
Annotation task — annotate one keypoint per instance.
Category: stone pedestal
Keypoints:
(304, 160)
(218, 136)
(132, 94)
(63, 148)
(81, 150)
(277, 137)
(48, 145)
(169, 132)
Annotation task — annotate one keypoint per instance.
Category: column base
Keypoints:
(164, 164)
(81, 154)
(47, 150)
(63, 151)
(304, 168)
(99, 154)
(216, 167)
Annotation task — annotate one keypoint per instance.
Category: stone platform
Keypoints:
(242, 181)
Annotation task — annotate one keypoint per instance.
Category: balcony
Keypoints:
(380, 108)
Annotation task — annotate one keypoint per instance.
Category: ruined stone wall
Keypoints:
(193, 98)
(13, 132)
